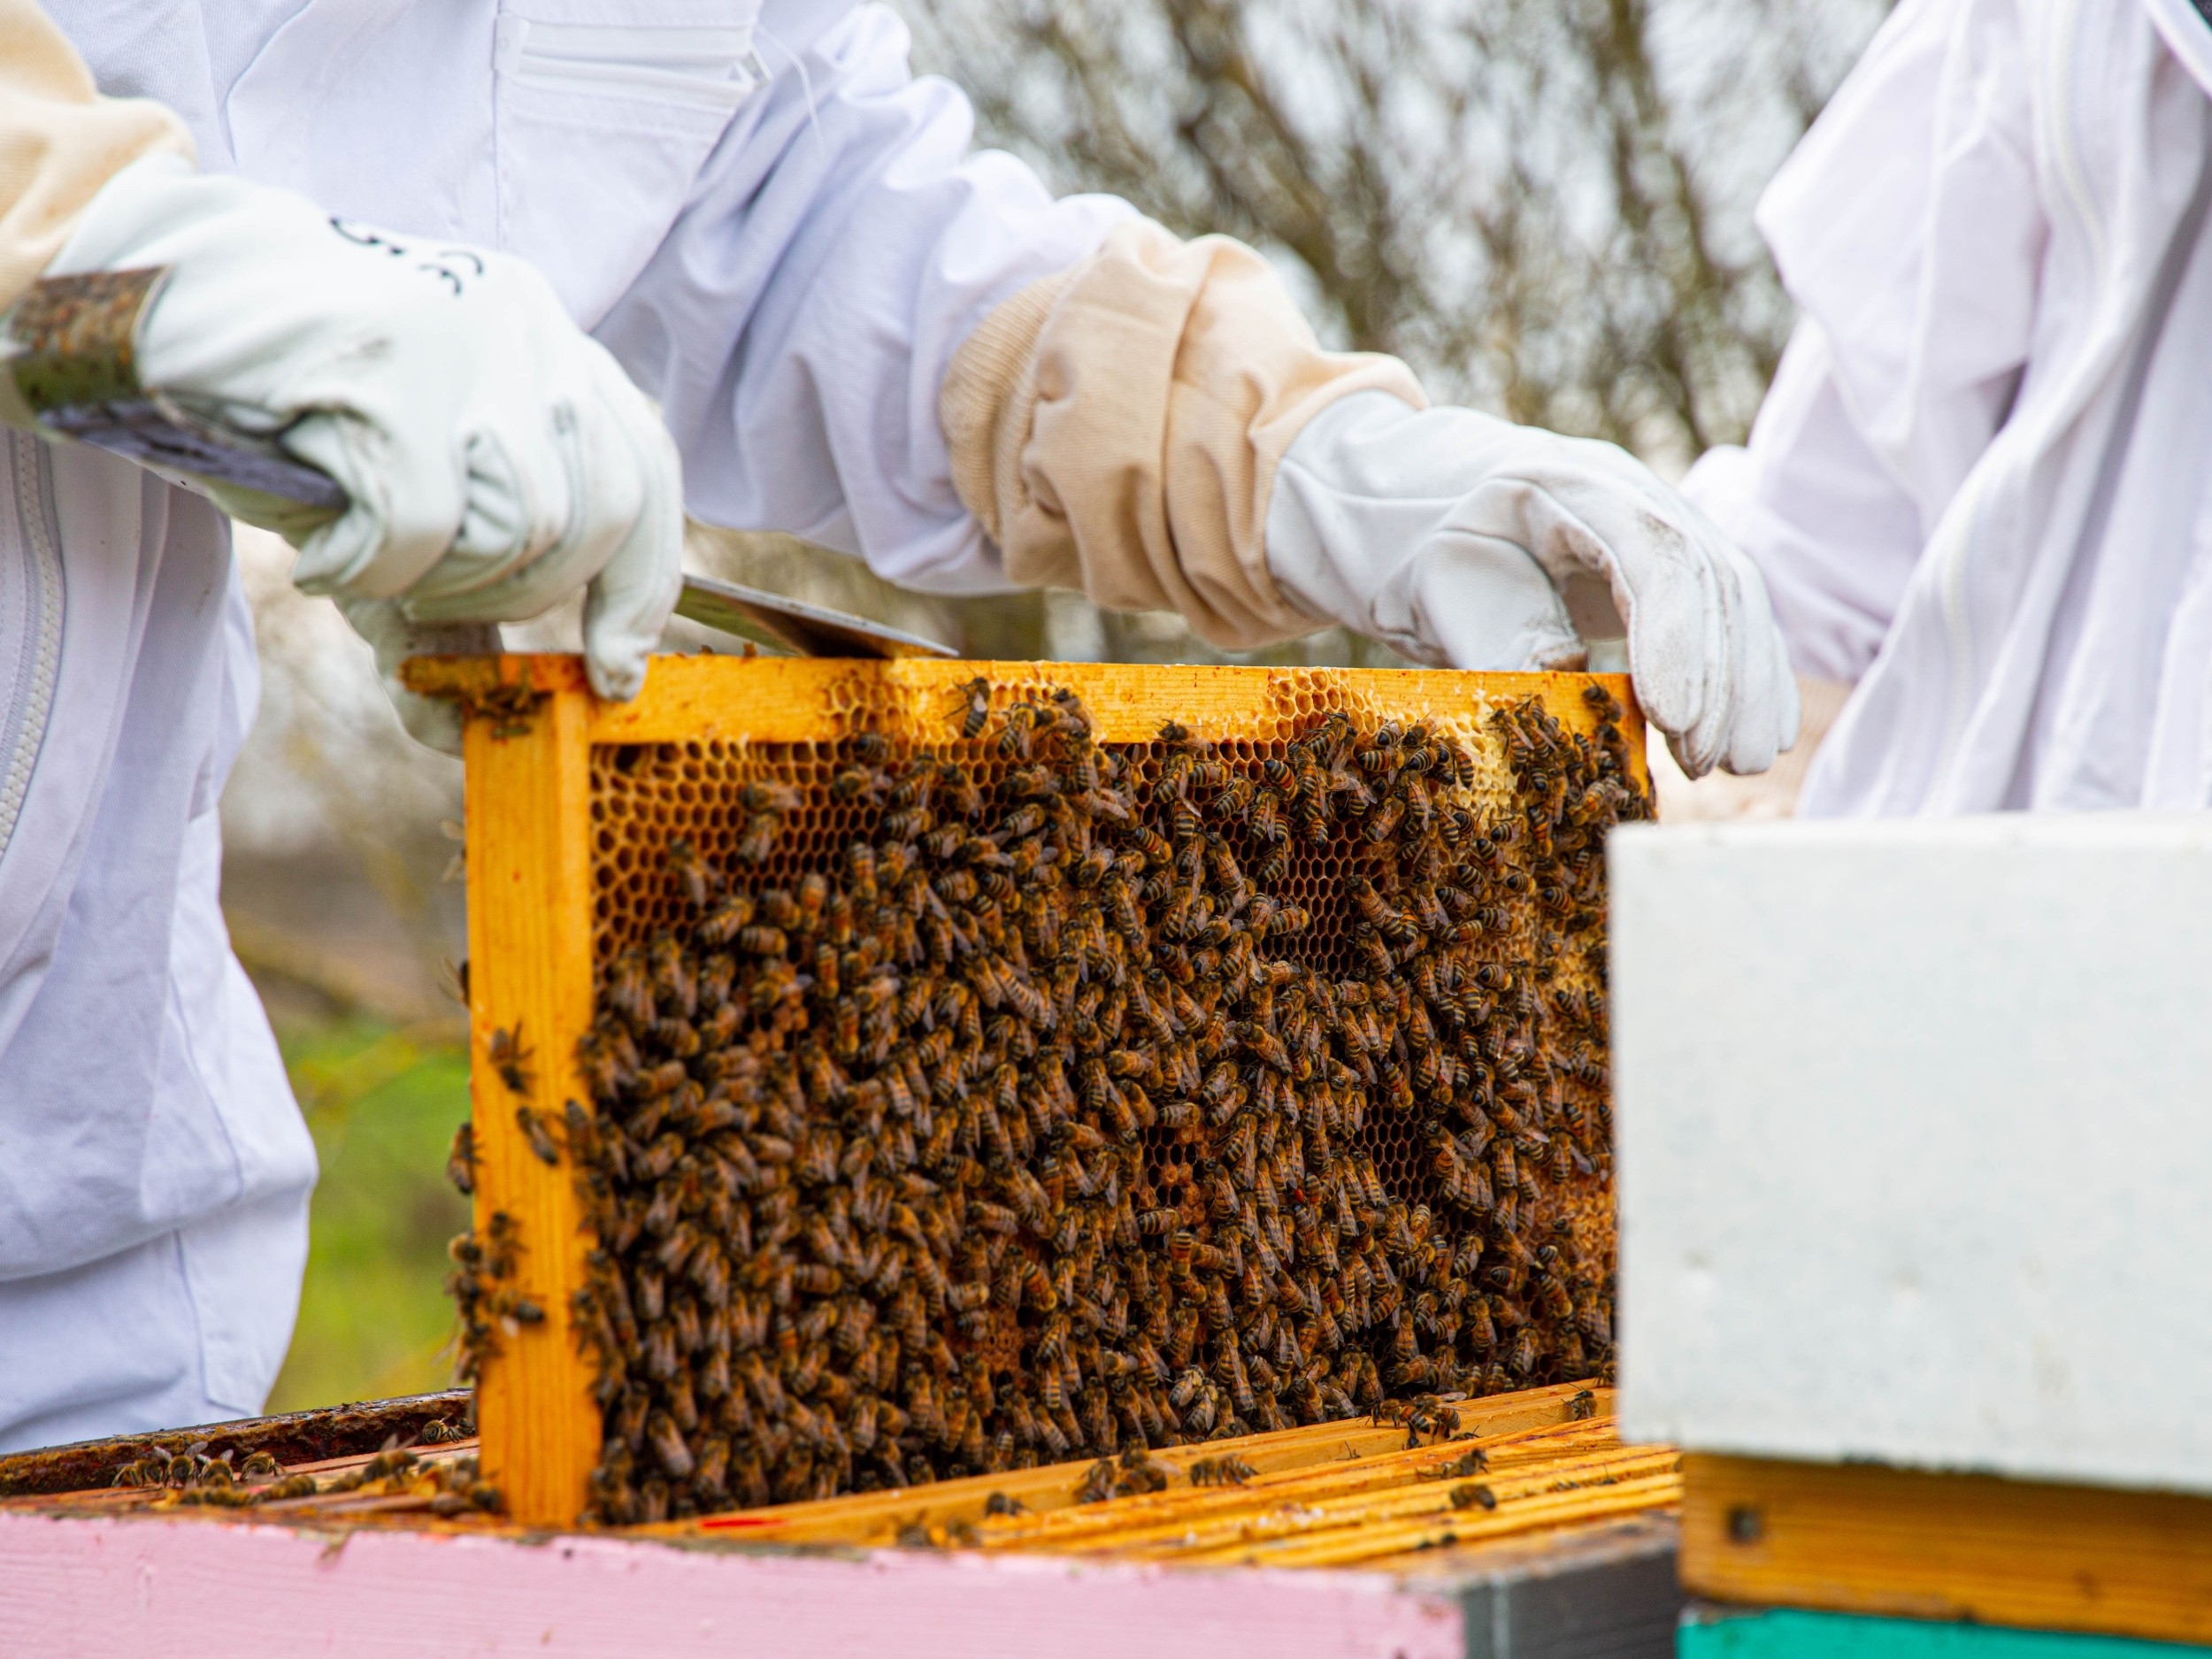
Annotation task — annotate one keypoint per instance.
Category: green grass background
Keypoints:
(382, 1102)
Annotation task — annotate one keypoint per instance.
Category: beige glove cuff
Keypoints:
(60, 141)
(1115, 427)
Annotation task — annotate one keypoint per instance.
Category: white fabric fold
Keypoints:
(154, 1171)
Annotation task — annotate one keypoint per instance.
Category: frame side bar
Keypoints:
(530, 951)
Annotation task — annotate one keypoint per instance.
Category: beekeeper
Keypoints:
(1979, 485)
(390, 229)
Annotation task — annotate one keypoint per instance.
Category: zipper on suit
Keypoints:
(30, 624)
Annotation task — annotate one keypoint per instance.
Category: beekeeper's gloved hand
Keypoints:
(1456, 538)
(494, 456)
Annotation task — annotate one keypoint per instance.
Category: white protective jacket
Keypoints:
(783, 237)
(1979, 487)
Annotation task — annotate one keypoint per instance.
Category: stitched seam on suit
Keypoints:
(1962, 682)
(2097, 511)
(23, 721)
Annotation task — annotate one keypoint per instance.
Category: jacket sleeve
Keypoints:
(864, 331)
(796, 323)
(60, 141)
(1118, 427)
(1908, 229)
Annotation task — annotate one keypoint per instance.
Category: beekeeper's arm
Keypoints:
(862, 332)
(1158, 427)
(495, 459)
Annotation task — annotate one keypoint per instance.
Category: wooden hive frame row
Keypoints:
(1373, 1490)
(1329, 1494)
(532, 725)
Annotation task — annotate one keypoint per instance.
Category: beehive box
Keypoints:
(1427, 1118)
(1516, 1527)
(1914, 1158)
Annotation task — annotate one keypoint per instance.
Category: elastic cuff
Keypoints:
(990, 393)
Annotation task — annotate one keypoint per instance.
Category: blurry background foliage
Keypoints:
(1544, 205)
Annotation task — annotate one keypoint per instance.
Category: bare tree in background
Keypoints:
(1543, 204)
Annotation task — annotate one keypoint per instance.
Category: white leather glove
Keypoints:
(494, 456)
(434, 722)
(1453, 536)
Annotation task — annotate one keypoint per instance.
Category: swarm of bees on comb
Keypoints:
(1062, 1113)
(192, 1478)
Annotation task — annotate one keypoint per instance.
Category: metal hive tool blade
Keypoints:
(795, 626)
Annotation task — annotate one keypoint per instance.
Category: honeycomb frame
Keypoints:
(562, 787)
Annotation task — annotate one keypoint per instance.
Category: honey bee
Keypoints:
(860, 866)
(908, 825)
(460, 1163)
(959, 790)
(767, 796)
(535, 1132)
(860, 784)
(1203, 1416)
(717, 928)
(697, 877)
(509, 1058)
(1016, 730)
(1227, 1470)
(759, 840)
(763, 941)
(978, 692)
(1607, 706)
(1266, 809)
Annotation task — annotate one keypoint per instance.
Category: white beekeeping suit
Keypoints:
(1978, 487)
(856, 328)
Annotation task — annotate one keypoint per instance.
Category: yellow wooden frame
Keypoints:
(531, 724)
(1862, 1538)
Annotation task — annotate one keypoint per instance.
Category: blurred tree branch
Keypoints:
(1543, 204)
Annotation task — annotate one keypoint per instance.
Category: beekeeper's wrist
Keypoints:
(1364, 531)
(1116, 428)
(64, 142)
